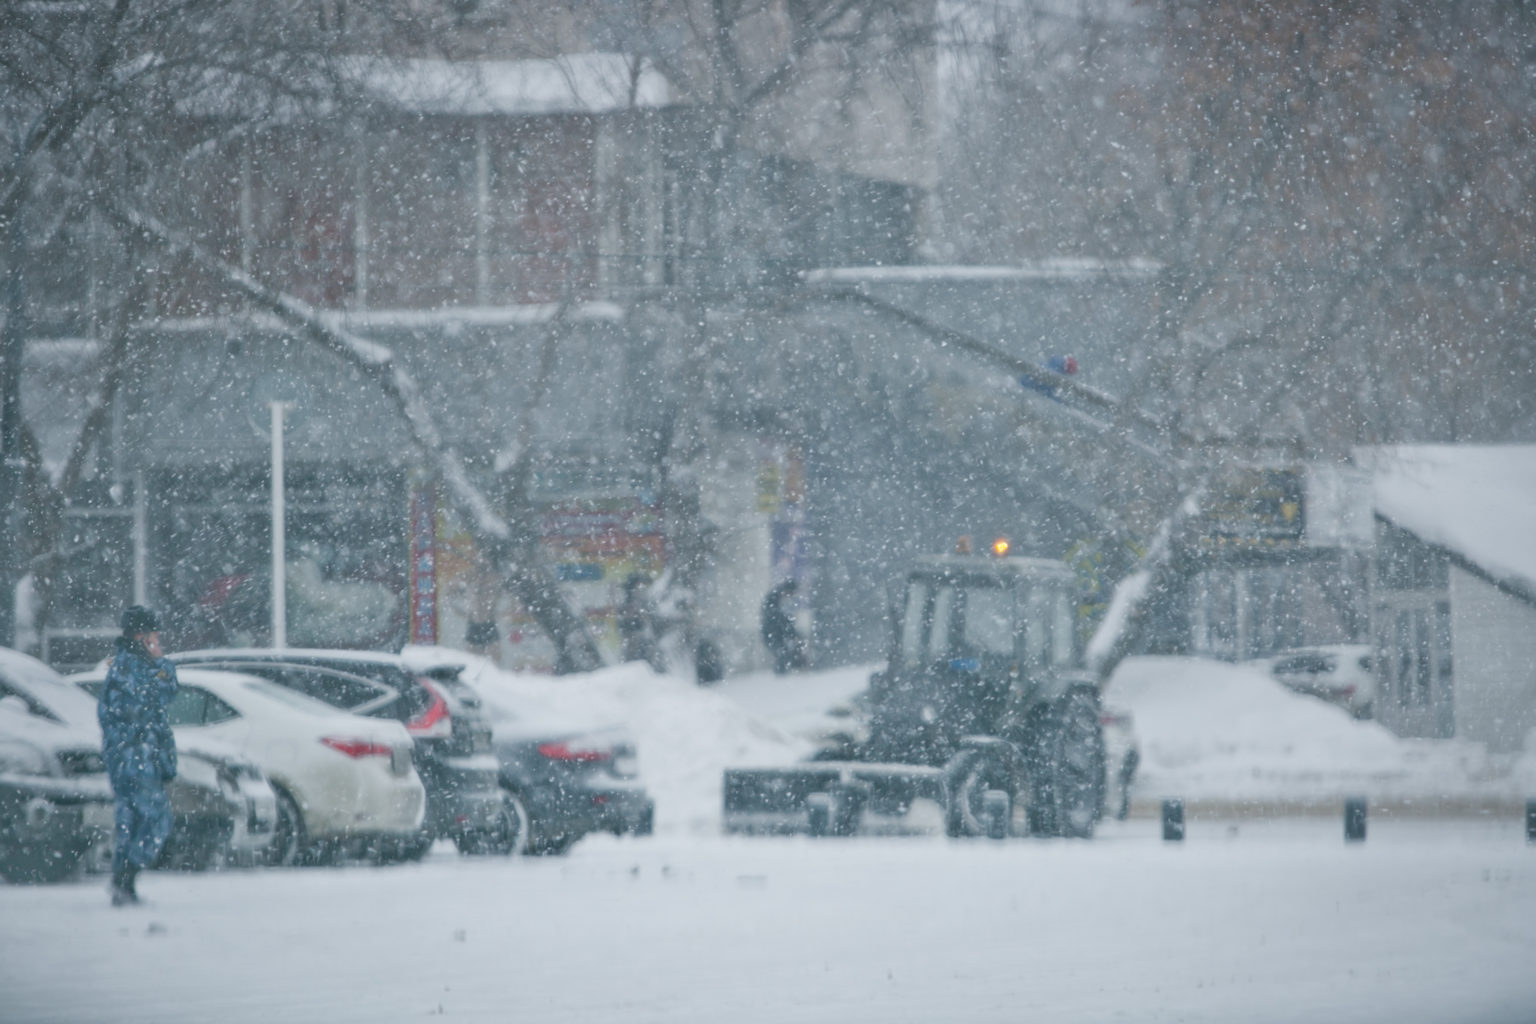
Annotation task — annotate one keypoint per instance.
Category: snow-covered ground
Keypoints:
(1267, 922)
(1252, 918)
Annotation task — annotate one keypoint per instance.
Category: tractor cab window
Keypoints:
(1037, 626)
(988, 621)
(1064, 634)
(948, 619)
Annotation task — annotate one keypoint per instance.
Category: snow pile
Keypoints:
(1212, 730)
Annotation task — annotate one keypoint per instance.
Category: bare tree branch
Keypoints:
(508, 540)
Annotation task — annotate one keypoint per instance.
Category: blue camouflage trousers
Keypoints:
(142, 821)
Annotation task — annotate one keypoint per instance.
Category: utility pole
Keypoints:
(279, 531)
(12, 466)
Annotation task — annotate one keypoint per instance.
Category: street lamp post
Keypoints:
(279, 531)
(12, 465)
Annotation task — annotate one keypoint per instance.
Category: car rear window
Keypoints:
(1304, 664)
(290, 697)
(350, 693)
(414, 698)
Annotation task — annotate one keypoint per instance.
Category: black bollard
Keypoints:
(997, 807)
(1530, 821)
(1354, 819)
(1173, 820)
(848, 800)
(818, 807)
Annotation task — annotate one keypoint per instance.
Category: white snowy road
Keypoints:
(1261, 921)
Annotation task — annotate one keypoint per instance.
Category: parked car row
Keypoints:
(448, 738)
(306, 756)
(342, 784)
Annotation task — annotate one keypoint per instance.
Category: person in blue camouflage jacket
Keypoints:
(138, 747)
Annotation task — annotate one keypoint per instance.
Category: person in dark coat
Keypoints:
(138, 748)
(780, 636)
(637, 624)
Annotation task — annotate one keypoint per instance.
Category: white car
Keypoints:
(1340, 673)
(344, 783)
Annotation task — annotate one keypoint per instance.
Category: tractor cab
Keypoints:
(976, 639)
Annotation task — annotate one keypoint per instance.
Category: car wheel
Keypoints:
(970, 777)
(499, 839)
(550, 846)
(519, 825)
(404, 848)
(288, 841)
(1074, 768)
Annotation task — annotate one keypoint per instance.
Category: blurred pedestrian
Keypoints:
(708, 663)
(780, 635)
(138, 748)
(638, 627)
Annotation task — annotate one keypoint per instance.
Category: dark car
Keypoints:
(566, 783)
(452, 737)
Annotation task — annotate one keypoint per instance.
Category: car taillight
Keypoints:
(358, 748)
(561, 751)
(434, 721)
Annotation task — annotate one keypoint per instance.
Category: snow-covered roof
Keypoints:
(441, 317)
(587, 83)
(1061, 269)
(1476, 501)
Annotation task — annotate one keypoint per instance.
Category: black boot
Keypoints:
(122, 891)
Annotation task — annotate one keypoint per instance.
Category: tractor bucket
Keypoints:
(835, 798)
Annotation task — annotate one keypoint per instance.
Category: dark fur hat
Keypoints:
(138, 620)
